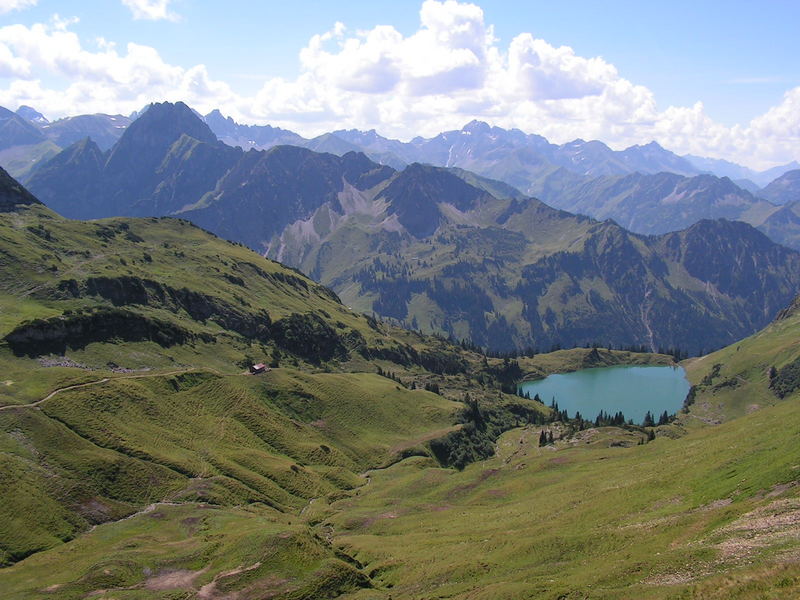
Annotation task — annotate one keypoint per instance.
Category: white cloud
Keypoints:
(7, 6)
(150, 10)
(451, 70)
(102, 80)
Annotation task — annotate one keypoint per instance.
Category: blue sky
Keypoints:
(633, 71)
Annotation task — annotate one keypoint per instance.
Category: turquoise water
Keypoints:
(633, 390)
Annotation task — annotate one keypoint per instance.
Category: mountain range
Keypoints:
(141, 459)
(646, 189)
(655, 204)
(743, 176)
(638, 187)
(512, 156)
(28, 139)
(517, 156)
(438, 249)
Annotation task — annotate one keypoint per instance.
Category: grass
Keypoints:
(43, 253)
(315, 480)
(712, 513)
(172, 549)
(587, 521)
(741, 382)
(279, 439)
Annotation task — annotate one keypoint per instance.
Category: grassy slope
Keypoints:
(41, 250)
(712, 514)
(741, 383)
(183, 423)
(703, 516)
(98, 453)
(163, 552)
(590, 521)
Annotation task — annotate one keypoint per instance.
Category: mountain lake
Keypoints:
(632, 390)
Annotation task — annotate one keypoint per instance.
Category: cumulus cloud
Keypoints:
(452, 70)
(100, 79)
(7, 6)
(150, 10)
(448, 72)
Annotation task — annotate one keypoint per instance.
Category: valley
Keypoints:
(433, 249)
(142, 460)
(442, 300)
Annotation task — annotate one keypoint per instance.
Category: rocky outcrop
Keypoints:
(127, 290)
(77, 330)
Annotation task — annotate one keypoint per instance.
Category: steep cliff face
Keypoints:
(129, 291)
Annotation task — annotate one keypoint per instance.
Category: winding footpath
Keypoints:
(90, 383)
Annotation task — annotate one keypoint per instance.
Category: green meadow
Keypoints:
(140, 459)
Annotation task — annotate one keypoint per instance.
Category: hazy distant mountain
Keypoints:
(104, 130)
(519, 158)
(16, 131)
(439, 249)
(512, 156)
(654, 204)
(31, 114)
(263, 137)
(657, 203)
(249, 136)
(22, 144)
(386, 151)
(28, 139)
(330, 143)
(784, 189)
(724, 168)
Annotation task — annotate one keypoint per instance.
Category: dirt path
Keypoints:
(98, 382)
(147, 509)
